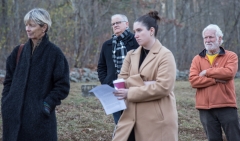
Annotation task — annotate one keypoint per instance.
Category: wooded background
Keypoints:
(81, 26)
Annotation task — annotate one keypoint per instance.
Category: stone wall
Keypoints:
(88, 75)
(83, 75)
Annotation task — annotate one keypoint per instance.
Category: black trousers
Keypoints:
(131, 136)
(214, 120)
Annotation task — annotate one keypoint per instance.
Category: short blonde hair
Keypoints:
(39, 16)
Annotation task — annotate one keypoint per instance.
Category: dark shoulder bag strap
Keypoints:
(19, 53)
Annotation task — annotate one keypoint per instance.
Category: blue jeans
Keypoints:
(214, 120)
(117, 116)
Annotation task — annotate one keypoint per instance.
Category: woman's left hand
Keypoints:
(121, 93)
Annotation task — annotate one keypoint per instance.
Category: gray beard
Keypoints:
(212, 47)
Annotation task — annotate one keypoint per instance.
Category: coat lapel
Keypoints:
(151, 55)
(24, 61)
(27, 52)
(135, 60)
(27, 57)
(37, 54)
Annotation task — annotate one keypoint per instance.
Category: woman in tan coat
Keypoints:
(149, 73)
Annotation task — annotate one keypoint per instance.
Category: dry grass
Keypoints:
(83, 118)
(190, 128)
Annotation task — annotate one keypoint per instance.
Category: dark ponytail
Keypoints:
(151, 19)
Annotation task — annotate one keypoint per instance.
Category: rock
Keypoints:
(73, 79)
(83, 75)
(2, 77)
(85, 90)
(182, 75)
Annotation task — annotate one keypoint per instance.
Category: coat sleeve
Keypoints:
(61, 82)
(102, 66)
(10, 68)
(195, 80)
(165, 79)
(227, 72)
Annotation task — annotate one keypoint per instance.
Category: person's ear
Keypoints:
(127, 24)
(219, 40)
(44, 27)
(152, 31)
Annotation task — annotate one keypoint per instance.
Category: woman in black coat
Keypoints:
(34, 85)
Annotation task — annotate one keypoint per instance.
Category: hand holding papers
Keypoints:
(109, 102)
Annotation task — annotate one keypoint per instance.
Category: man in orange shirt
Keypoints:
(212, 73)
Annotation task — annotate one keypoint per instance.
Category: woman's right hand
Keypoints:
(121, 93)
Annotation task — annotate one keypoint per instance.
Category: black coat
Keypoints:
(106, 69)
(43, 76)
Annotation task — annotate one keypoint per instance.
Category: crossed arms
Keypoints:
(201, 77)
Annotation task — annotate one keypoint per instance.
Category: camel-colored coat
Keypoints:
(151, 109)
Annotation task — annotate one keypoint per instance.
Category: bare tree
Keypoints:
(80, 27)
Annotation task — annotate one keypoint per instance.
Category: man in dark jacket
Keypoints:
(34, 85)
(114, 51)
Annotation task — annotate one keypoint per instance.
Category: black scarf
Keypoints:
(119, 49)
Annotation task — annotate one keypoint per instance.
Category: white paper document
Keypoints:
(108, 100)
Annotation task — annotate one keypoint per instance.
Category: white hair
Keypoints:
(121, 15)
(39, 16)
(216, 28)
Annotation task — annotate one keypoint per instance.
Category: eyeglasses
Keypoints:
(117, 23)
